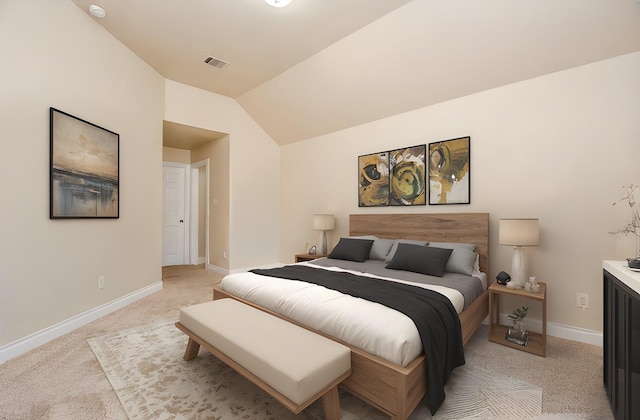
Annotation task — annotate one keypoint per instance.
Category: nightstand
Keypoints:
(537, 341)
(308, 257)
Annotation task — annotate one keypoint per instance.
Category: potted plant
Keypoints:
(518, 334)
(632, 227)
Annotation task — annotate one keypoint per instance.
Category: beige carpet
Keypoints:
(146, 369)
(63, 380)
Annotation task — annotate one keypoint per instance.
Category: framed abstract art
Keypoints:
(449, 171)
(373, 180)
(407, 176)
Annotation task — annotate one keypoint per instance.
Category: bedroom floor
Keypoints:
(63, 380)
(570, 376)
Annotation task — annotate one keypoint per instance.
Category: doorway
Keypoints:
(185, 214)
(199, 246)
(175, 200)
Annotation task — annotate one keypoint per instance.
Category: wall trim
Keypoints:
(216, 269)
(41, 337)
(575, 334)
(567, 332)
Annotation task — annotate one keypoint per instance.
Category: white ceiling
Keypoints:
(318, 66)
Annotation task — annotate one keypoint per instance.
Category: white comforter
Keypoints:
(370, 326)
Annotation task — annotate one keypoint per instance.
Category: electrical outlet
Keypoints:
(101, 280)
(224, 255)
(582, 300)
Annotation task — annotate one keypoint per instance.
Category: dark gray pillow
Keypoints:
(420, 259)
(394, 247)
(352, 249)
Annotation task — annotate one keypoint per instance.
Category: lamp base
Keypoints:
(518, 268)
(322, 249)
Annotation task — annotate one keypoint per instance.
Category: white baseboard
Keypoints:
(575, 333)
(216, 269)
(567, 332)
(41, 337)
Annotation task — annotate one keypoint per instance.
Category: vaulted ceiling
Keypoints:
(318, 66)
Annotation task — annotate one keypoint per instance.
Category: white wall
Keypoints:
(254, 205)
(53, 54)
(171, 154)
(558, 148)
(217, 153)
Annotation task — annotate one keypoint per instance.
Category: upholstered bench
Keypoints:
(292, 364)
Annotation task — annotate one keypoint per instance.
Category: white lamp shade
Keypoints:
(278, 3)
(519, 232)
(323, 222)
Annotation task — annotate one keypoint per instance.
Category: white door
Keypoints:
(173, 215)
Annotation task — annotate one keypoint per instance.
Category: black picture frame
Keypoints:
(450, 171)
(393, 177)
(407, 176)
(84, 169)
(373, 180)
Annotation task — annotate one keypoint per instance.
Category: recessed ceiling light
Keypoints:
(97, 11)
(278, 3)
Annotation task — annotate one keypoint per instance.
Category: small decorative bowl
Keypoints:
(634, 263)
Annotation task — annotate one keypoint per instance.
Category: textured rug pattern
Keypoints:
(478, 394)
(145, 367)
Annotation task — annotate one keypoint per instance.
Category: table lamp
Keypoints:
(519, 233)
(323, 223)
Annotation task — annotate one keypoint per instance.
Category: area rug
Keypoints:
(145, 368)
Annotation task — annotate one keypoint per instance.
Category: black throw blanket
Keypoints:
(434, 316)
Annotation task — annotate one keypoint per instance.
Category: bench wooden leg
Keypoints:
(331, 404)
(192, 350)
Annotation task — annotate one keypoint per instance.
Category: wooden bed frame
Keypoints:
(391, 388)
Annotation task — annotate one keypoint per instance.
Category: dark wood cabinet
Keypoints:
(621, 347)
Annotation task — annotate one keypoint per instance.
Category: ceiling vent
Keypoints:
(216, 62)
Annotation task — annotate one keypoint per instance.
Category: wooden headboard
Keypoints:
(436, 227)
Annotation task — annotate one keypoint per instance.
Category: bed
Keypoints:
(393, 387)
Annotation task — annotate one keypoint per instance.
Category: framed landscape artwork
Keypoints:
(449, 171)
(84, 169)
